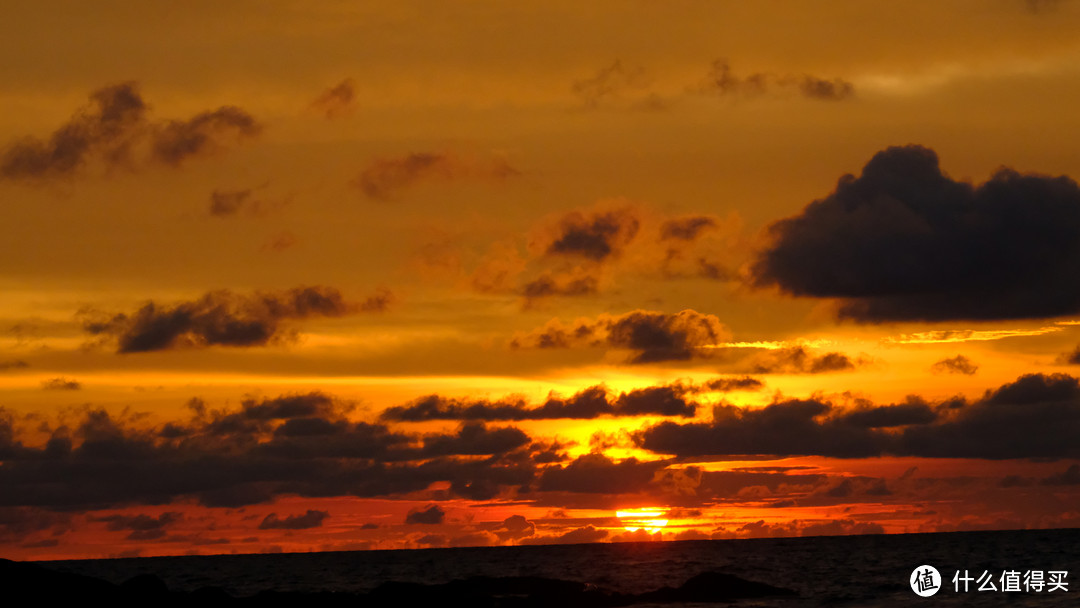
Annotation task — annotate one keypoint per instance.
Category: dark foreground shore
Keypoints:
(46, 585)
(848, 571)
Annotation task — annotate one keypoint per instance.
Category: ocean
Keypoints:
(822, 571)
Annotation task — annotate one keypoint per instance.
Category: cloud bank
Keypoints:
(223, 318)
(905, 242)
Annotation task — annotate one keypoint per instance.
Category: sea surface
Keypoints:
(824, 571)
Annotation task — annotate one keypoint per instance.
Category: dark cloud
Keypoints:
(285, 407)
(381, 301)
(722, 80)
(1015, 481)
(142, 527)
(13, 364)
(612, 83)
(904, 242)
(707, 269)
(687, 251)
(302, 445)
(1037, 416)
(115, 131)
(1042, 6)
(578, 536)
(1036, 388)
(956, 365)
(515, 527)
(785, 428)
(726, 485)
(482, 538)
(222, 318)
(40, 544)
(436, 407)
(1071, 358)
(650, 336)
(658, 336)
(580, 252)
(248, 202)
(281, 241)
(107, 129)
(324, 435)
(797, 360)
(225, 203)
(9, 445)
(819, 88)
(601, 442)
(309, 445)
(475, 438)
(548, 285)
(61, 384)
(598, 474)
(16, 523)
(433, 540)
(595, 236)
(1068, 477)
(840, 527)
(592, 402)
(431, 515)
(25, 332)
(176, 141)
(655, 400)
(912, 411)
(138, 522)
(311, 519)
(846, 488)
(725, 385)
(384, 178)
(338, 101)
(686, 228)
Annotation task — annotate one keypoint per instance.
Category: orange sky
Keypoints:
(309, 276)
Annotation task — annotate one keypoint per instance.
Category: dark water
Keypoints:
(825, 571)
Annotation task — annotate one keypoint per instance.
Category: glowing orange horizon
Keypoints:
(648, 519)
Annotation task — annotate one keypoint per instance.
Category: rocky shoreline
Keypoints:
(44, 584)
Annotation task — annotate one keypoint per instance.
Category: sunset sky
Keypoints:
(327, 275)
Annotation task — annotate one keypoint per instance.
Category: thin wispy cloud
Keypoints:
(387, 178)
(967, 335)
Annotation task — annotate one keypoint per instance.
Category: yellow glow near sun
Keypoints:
(775, 344)
(967, 335)
(642, 519)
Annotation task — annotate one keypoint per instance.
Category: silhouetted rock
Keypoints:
(292, 599)
(49, 586)
(146, 586)
(214, 596)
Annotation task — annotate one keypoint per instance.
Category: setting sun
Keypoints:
(649, 520)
